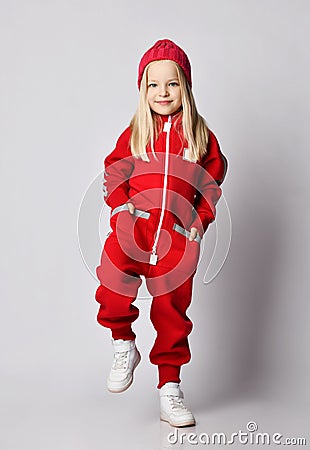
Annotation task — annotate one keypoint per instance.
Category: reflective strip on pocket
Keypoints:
(138, 212)
(143, 214)
(185, 233)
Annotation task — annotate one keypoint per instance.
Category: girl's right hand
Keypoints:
(131, 208)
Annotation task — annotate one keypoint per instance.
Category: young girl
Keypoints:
(162, 183)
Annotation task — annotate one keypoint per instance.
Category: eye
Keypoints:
(152, 85)
(173, 84)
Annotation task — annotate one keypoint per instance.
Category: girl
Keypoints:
(162, 183)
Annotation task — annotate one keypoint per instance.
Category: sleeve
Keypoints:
(214, 165)
(118, 166)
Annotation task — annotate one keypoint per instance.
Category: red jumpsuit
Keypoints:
(171, 194)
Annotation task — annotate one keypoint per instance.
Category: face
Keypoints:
(163, 87)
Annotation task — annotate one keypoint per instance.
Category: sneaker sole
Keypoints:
(124, 388)
(186, 423)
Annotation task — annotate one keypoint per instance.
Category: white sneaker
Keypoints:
(126, 359)
(172, 409)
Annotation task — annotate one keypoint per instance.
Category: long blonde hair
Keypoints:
(145, 126)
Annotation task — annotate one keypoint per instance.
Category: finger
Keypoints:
(193, 234)
(131, 208)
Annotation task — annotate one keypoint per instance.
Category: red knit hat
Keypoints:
(165, 49)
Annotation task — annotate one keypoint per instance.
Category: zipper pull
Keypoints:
(168, 124)
(153, 259)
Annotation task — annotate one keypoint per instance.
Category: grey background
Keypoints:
(68, 89)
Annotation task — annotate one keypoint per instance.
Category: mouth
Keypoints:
(163, 103)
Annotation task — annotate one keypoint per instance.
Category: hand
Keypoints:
(131, 208)
(194, 233)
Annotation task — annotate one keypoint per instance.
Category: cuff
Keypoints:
(116, 199)
(201, 224)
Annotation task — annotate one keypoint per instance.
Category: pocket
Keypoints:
(185, 232)
(137, 213)
(183, 254)
(130, 229)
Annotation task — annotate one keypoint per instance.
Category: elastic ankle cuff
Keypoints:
(123, 333)
(168, 373)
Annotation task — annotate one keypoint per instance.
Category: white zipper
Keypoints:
(154, 256)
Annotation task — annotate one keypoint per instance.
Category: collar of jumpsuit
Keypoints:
(165, 117)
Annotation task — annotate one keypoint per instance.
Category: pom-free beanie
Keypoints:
(165, 49)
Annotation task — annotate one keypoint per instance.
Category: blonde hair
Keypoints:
(145, 126)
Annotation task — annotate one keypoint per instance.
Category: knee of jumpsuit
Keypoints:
(168, 315)
(117, 271)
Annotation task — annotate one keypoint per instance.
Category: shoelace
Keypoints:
(120, 360)
(176, 403)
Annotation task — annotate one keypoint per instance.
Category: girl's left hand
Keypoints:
(193, 234)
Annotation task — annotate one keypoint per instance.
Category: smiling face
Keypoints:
(163, 87)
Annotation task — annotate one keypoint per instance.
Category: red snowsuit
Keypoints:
(171, 194)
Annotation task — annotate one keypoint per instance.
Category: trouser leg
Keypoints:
(168, 315)
(118, 289)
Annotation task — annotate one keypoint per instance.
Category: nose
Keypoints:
(163, 91)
